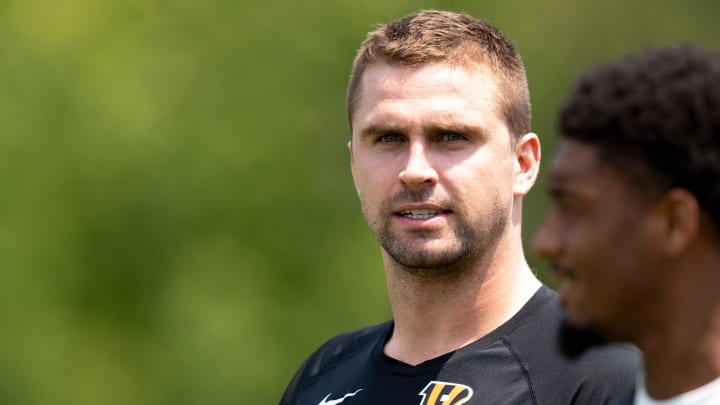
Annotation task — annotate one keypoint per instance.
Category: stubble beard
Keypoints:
(445, 257)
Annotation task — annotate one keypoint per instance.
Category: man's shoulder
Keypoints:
(542, 329)
(627, 399)
(340, 348)
(347, 343)
(597, 375)
(332, 354)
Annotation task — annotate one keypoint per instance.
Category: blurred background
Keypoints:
(178, 223)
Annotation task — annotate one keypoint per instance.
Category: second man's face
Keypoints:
(600, 238)
(433, 163)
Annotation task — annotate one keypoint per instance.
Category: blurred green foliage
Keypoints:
(178, 223)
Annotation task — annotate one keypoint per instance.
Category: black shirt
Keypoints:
(520, 362)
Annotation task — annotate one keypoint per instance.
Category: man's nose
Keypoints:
(547, 241)
(419, 170)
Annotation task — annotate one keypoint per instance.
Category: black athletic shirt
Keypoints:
(518, 363)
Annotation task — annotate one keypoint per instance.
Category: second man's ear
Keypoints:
(680, 214)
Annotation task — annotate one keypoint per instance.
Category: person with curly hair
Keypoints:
(634, 231)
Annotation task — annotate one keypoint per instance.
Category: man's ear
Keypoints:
(527, 166)
(680, 216)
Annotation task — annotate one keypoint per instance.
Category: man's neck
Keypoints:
(434, 316)
(682, 350)
(681, 364)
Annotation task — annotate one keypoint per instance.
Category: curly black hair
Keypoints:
(656, 118)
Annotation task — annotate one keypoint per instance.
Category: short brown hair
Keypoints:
(456, 38)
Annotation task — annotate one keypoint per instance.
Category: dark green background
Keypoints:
(178, 223)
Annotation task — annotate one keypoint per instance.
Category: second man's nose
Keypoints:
(546, 242)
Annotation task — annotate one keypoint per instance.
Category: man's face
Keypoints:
(599, 238)
(433, 163)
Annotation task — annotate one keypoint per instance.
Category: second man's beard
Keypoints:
(575, 340)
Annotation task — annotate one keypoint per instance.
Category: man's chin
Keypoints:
(577, 339)
(427, 261)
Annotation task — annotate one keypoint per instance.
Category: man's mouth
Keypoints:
(563, 276)
(564, 283)
(418, 214)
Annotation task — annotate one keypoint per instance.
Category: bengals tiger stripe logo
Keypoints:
(445, 393)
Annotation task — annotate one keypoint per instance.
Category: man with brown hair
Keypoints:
(441, 156)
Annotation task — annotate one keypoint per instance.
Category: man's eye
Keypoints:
(452, 137)
(390, 138)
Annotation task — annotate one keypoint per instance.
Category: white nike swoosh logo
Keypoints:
(337, 401)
